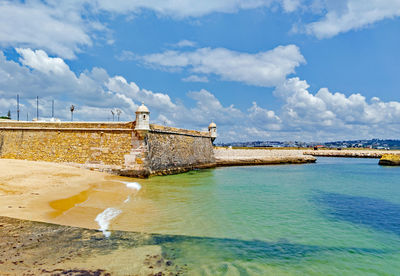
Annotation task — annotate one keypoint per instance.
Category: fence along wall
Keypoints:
(112, 147)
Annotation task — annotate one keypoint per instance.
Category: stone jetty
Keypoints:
(250, 157)
(356, 153)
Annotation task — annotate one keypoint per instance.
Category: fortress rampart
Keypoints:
(113, 147)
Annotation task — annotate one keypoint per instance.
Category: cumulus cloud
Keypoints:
(328, 114)
(65, 28)
(231, 121)
(195, 78)
(126, 56)
(184, 43)
(346, 15)
(262, 69)
(39, 60)
(188, 8)
(291, 5)
(38, 25)
(94, 92)
(304, 116)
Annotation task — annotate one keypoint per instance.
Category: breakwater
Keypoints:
(248, 157)
(351, 153)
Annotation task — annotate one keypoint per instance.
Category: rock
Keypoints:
(390, 160)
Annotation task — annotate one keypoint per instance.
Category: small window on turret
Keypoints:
(144, 117)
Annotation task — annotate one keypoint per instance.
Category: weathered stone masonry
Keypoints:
(174, 150)
(113, 147)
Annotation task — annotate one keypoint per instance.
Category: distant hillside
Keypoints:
(373, 143)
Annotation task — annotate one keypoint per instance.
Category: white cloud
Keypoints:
(37, 25)
(126, 56)
(303, 116)
(262, 69)
(346, 15)
(187, 8)
(65, 28)
(195, 78)
(40, 61)
(231, 121)
(184, 43)
(263, 118)
(5, 105)
(291, 5)
(328, 114)
(94, 92)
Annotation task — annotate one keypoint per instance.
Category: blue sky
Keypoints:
(310, 70)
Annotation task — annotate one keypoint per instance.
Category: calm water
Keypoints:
(338, 217)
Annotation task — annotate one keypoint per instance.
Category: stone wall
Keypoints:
(105, 146)
(174, 150)
(113, 147)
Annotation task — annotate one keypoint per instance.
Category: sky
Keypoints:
(304, 70)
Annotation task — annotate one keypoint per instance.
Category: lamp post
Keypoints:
(37, 108)
(72, 108)
(118, 113)
(113, 113)
(17, 107)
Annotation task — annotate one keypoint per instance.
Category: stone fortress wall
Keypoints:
(174, 150)
(113, 147)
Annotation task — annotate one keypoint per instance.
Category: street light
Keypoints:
(72, 108)
(113, 113)
(118, 113)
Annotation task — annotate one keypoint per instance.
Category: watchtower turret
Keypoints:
(212, 128)
(142, 118)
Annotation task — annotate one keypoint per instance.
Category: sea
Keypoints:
(339, 216)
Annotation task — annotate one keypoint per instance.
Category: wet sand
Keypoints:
(35, 192)
(43, 191)
(34, 248)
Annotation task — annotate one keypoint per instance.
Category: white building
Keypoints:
(142, 118)
(212, 128)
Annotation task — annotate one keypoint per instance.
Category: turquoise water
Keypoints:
(336, 217)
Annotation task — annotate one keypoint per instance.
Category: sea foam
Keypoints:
(133, 185)
(104, 219)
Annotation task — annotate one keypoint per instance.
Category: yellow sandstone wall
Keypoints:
(113, 147)
(173, 150)
(108, 146)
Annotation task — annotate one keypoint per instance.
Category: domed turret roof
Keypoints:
(142, 108)
(212, 125)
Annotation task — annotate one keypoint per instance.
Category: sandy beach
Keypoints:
(58, 193)
(67, 196)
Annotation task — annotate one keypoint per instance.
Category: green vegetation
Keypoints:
(6, 117)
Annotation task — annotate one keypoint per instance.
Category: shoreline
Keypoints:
(351, 153)
(65, 194)
(58, 193)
